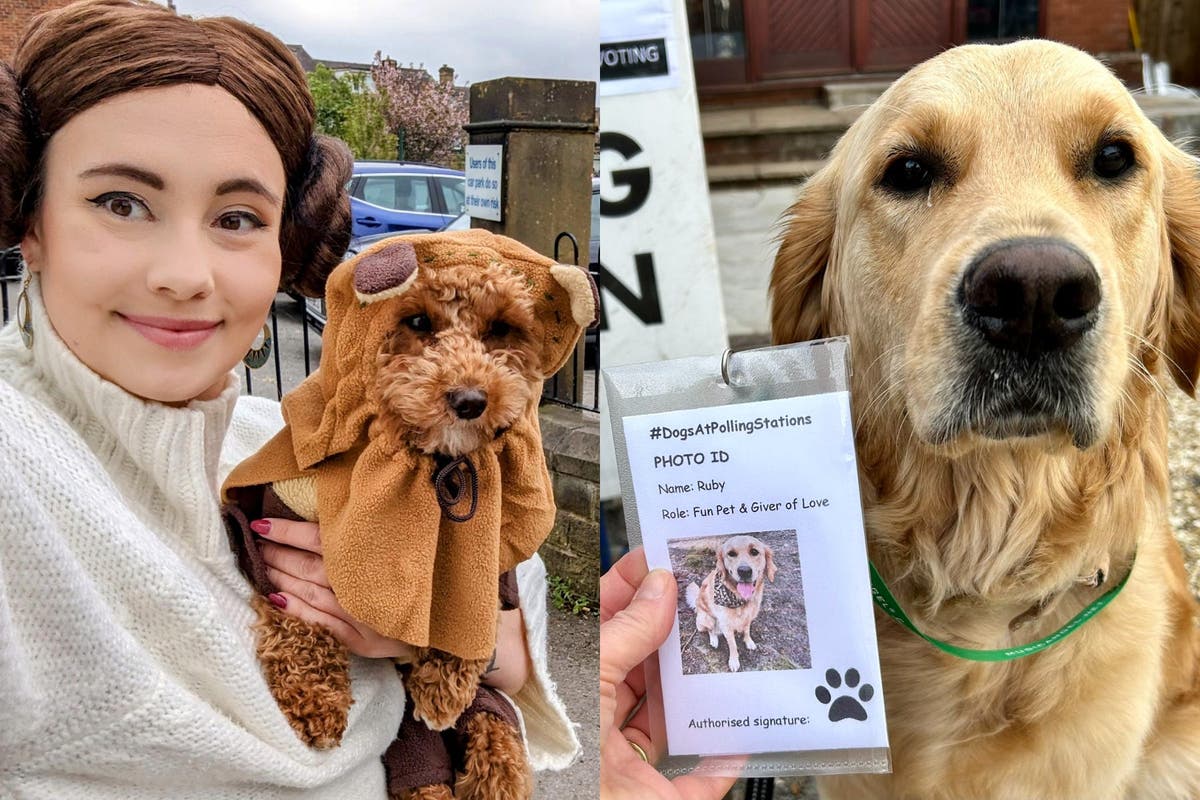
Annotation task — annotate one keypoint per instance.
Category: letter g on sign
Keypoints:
(636, 179)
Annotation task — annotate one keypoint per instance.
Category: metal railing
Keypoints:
(577, 384)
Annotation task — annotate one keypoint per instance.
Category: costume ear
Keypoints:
(1181, 205)
(770, 564)
(386, 272)
(797, 312)
(581, 288)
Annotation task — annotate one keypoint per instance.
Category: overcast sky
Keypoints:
(481, 39)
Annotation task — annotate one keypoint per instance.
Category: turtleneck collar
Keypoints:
(164, 459)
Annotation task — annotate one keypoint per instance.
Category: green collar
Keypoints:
(885, 600)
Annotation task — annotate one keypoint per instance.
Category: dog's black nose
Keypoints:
(467, 403)
(1031, 296)
(745, 574)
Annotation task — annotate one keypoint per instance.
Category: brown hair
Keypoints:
(74, 57)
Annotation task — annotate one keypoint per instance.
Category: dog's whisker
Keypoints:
(1150, 345)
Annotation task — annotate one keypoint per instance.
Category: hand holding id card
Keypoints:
(738, 475)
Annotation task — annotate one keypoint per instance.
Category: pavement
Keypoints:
(575, 667)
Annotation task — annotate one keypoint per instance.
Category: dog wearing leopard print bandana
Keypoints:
(730, 597)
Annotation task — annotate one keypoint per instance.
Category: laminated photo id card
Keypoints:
(738, 475)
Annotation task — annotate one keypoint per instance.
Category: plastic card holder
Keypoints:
(738, 474)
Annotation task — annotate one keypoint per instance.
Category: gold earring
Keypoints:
(24, 314)
(259, 355)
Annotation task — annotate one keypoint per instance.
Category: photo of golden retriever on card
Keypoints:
(734, 589)
(1013, 249)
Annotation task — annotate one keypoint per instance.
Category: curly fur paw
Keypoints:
(442, 686)
(495, 766)
(308, 672)
(437, 791)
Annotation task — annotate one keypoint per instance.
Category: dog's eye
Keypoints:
(1113, 160)
(753, 552)
(419, 323)
(907, 175)
(733, 553)
(499, 329)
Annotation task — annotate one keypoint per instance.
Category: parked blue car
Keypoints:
(391, 196)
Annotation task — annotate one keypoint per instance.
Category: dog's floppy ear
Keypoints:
(721, 572)
(386, 272)
(797, 314)
(1181, 204)
(581, 288)
(770, 563)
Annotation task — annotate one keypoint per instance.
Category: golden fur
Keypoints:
(495, 767)
(441, 686)
(437, 791)
(970, 529)
(736, 552)
(480, 321)
(308, 672)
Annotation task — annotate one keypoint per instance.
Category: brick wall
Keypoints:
(571, 440)
(1098, 26)
(14, 16)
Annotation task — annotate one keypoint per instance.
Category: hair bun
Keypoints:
(319, 212)
(14, 158)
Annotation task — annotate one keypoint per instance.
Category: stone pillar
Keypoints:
(548, 130)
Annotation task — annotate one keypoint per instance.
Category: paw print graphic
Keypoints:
(845, 706)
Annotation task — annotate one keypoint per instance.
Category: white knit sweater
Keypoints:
(127, 666)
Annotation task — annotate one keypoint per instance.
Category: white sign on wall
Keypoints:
(485, 176)
(659, 283)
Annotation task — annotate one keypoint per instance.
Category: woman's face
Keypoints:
(157, 238)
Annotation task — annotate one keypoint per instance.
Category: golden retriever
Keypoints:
(1014, 252)
(730, 597)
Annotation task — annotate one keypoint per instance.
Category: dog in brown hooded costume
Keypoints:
(416, 446)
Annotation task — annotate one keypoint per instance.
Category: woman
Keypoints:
(161, 176)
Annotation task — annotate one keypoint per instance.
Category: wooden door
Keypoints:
(893, 35)
(799, 38)
(795, 38)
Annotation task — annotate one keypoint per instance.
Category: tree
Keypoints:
(428, 115)
(353, 112)
(366, 129)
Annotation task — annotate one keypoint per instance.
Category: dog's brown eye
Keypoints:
(907, 175)
(500, 329)
(419, 323)
(1113, 160)
(753, 552)
(733, 553)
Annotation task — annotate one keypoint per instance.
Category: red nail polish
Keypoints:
(261, 526)
(277, 600)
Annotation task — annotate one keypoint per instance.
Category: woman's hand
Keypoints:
(509, 668)
(637, 608)
(292, 551)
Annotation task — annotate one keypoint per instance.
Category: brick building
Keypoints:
(746, 50)
(14, 16)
